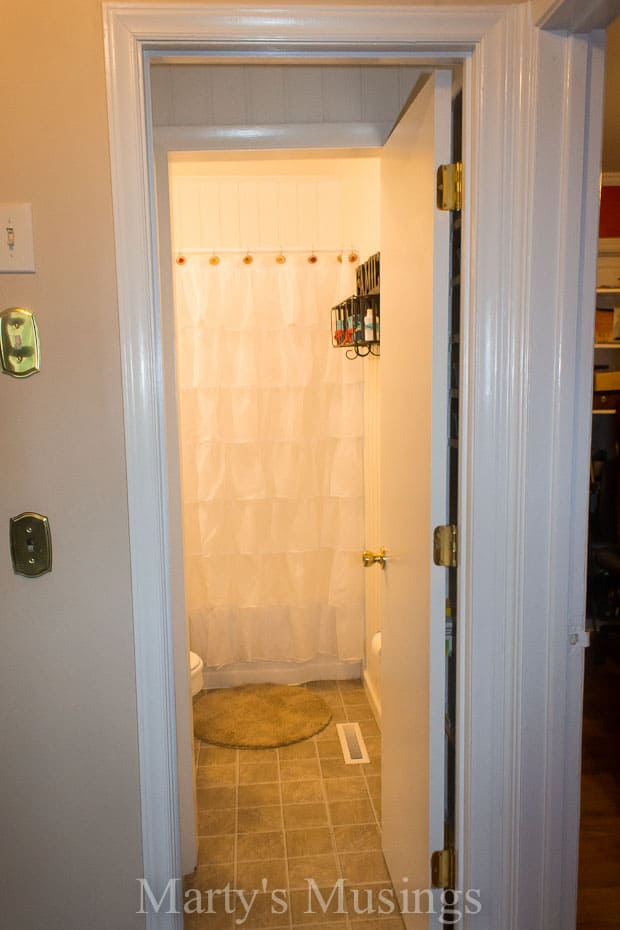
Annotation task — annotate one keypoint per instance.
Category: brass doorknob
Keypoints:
(369, 558)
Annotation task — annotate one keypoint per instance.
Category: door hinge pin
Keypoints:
(450, 186)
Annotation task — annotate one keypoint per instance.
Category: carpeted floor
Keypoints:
(261, 716)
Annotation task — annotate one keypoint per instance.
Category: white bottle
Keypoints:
(369, 325)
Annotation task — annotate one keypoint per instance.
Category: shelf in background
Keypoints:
(607, 345)
(600, 412)
(607, 298)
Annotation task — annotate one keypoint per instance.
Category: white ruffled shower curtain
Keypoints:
(271, 425)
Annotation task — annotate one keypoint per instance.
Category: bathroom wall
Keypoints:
(284, 206)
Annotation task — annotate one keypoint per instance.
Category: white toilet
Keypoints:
(196, 666)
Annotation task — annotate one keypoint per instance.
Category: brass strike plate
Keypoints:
(19, 343)
(31, 544)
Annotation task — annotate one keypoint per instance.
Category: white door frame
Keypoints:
(532, 113)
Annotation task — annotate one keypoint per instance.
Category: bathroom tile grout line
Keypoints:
(286, 868)
(330, 822)
(236, 833)
(349, 716)
(343, 712)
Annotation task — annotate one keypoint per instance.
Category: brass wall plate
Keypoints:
(31, 544)
(19, 343)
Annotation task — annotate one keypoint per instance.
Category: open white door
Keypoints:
(414, 438)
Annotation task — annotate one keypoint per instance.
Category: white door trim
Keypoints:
(513, 744)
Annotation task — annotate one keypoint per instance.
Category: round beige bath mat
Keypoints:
(259, 716)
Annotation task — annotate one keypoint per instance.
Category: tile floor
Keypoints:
(272, 819)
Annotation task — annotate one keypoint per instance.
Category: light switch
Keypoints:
(16, 240)
(19, 342)
(31, 544)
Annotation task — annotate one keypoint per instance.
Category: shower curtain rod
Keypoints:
(216, 251)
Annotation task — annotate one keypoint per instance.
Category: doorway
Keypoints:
(510, 243)
(432, 99)
(599, 852)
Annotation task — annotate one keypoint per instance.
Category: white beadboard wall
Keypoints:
(212, 96)
(278, 202)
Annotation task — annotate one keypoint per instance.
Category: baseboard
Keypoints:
(373, 698)
(281, 673)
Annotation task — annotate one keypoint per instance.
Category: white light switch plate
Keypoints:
(16, 242)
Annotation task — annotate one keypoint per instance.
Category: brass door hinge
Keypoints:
(443, 868)
(445, 546)
(450, 186)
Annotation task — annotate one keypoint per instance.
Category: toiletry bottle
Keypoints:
(350, 323)
(339, 326)
(358, 321)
